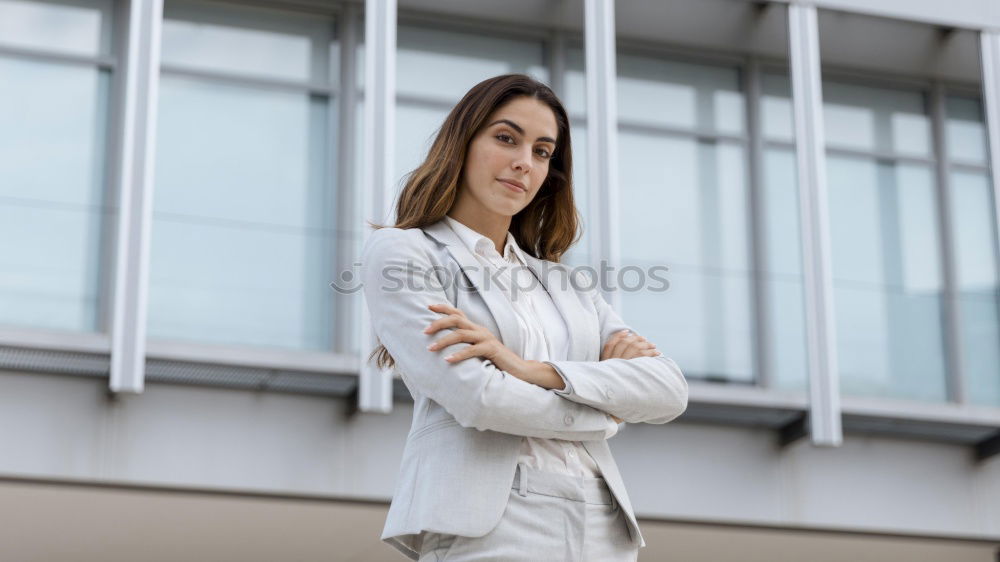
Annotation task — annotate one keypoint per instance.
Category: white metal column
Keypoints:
(807, 101)
(375, 385)
(990, 50)
(602, 136)
(348, 192)
(135, 195)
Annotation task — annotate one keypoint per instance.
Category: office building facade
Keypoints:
(184, 190)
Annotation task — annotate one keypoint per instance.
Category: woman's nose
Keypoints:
(522, 162)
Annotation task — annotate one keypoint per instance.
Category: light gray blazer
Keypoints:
(469, 418)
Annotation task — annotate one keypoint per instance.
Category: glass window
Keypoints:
(978, 285)
(684, 205)
(416, 127)
(677, 94)
(262, 44)
(573, 98)
(53, 147)
(974, 236)
(876, 119)
(243, 229)
(784, 285)
(885, 243)
(776, 107)
(887, 278)
(460, 60)
(78, 27)
(783, 289)
(965, 130)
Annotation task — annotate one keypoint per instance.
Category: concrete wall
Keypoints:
(44, 522)
(67, 429)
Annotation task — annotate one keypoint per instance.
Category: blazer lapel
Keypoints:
(583, 335)
(498, 303)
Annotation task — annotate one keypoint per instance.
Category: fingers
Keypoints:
(450, 321)
(640, 348)
(482, 349)
(647, 352)
(446, 309)
(623, 344)
(471, 336)
(455, 319)
(484, 343)
(610, 344)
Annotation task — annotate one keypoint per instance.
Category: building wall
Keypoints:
(67, 429)
(244, 137)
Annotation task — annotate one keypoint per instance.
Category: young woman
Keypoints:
(518, 373)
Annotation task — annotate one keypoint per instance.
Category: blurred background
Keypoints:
(181, 180)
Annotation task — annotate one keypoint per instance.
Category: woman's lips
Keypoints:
(512, 187)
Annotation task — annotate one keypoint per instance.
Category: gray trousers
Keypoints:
(549, 516)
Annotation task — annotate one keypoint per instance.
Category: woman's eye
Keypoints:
(543, 152)
(505, 137)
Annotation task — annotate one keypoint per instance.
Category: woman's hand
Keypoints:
(625, 344)
(484, 343)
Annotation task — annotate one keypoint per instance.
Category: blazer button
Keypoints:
(568, 419)
(609, 393)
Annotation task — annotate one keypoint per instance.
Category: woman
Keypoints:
(518, 374)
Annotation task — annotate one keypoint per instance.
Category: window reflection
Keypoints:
(685, 203)
(216, 47)
(80, 29)
(784, 286)
(268, 45)
(573, 98)
(244, 228)
(676, 94)
(53, 127)
(460, 60)
(978, 284)
(416, 127)
(965, 130)
(776, 107)
(876, 119)
(887, 278)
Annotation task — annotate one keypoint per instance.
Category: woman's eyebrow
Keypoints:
(520, 131)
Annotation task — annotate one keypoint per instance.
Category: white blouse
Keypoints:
(545, 338)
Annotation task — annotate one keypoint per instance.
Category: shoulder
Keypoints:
(393, 233)
(391, 238)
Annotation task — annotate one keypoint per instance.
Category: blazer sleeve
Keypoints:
(399, 283)
(641, 389)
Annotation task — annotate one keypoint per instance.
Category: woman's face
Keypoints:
(512, 150)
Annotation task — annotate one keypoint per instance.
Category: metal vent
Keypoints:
(181, 372)
(252, 378)
(313, 383)
(59, 362)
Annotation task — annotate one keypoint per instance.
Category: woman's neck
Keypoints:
(490, 225)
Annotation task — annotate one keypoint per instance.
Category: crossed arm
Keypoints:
(643, 389)
(474, 390)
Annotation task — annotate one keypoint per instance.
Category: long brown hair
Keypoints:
(546, 228)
